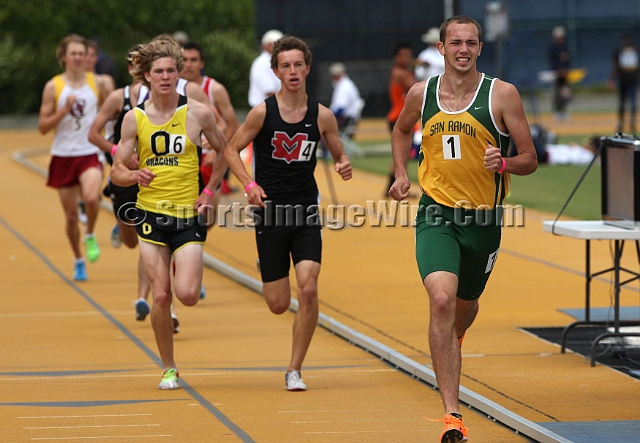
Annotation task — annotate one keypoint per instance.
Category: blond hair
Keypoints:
(145, 55)
(61, 51)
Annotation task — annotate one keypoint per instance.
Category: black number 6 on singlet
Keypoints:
(164, 143)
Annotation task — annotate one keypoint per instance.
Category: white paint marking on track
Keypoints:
(86, 416)
(100, 437)
(363, 432)
(343, 410)
(93, 426)
(63, 314)
(352, 421)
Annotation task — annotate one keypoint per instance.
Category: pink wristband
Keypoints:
(503, 167)
(113, 150)
(249, 186)
(208, 192)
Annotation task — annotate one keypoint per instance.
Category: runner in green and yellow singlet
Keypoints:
(468, 119)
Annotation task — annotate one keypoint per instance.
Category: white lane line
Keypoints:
(184, 373)
(61, 314)
(87, 416)
(352, 421)
(93, 426)
(364, 432)
(100, 437)
(343, 410)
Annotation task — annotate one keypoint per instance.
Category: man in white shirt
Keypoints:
(346, 97)
(262, 81)
(429, 62)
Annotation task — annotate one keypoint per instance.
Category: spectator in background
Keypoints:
(625, 70)
(181, 37)
(346, 97)
(429, 62)
(91, 62)
(262, 81)
(560, 61)
(103, 63)
(400, 81)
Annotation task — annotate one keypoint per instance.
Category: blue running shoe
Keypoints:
(203, 292)
(142, 310)
(80, 271)
(116, 240)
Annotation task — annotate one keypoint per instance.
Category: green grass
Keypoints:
(549, 187)
(545, 190)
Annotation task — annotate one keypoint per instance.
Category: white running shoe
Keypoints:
(294, 382)
(116, 240)
(169, 379)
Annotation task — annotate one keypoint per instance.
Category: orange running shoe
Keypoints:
(454, 430)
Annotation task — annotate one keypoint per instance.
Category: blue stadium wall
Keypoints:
(362, 34)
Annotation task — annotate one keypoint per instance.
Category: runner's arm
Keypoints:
(245, 134)
(49, 115)
(217, 142)
(223, 103)
(109, 109)
(511, 114)
(121, 175)
(401, 138)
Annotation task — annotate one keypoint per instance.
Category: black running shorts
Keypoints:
(173, 232)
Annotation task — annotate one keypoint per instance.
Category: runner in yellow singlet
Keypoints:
(172, 196)
(467, 120)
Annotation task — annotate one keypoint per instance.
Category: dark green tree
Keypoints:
(30, 32)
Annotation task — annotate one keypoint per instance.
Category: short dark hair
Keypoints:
(460, 19)
(400, 46)
(194, 46)
(288, 43)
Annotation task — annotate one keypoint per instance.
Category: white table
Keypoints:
(597, 230)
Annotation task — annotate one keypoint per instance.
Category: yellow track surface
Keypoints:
(76, 365)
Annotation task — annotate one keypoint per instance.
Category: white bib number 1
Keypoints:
(451, 147)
